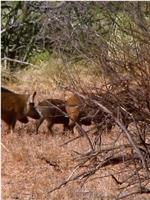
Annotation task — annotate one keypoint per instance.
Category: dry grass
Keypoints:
(32, 164)
(28, 171)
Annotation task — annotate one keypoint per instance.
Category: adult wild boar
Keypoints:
(17, 107)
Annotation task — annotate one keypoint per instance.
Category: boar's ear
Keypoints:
(31, 98)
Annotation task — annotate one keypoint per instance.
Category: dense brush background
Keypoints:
(56, 48)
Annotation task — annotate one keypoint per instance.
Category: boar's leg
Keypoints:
(66, 126)
(12, 126)
(50, 125)
(38, 124)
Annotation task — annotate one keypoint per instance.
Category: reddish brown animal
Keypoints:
(76, 110)
(17, 107)
(54, 112)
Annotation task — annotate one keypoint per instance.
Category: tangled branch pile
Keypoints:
(128, 109)
(121, 55)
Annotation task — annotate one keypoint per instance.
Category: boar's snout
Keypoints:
(33, 111)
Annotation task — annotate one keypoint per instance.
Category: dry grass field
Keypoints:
(32, 165)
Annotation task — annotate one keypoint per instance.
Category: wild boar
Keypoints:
(54, 112)
(16, 106)
(76, 110)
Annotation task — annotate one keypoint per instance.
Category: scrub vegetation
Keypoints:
(98, 51)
